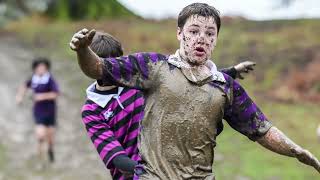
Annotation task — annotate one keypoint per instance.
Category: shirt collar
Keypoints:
(101, 99)
(175, 59)
(44, 79)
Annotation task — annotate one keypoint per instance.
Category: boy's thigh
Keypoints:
(40, 130)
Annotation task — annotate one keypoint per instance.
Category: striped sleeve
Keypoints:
(101, 135)
(242, 114)
(133, 71)
(231, 71)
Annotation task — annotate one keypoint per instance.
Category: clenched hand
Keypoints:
(82, 39)
(244, 67)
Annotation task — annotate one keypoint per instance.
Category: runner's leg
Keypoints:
(40, 135)
(50, 140)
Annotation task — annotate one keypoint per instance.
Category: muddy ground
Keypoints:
(75, 156)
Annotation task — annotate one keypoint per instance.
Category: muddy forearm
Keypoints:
(89, 63)
(278, 142)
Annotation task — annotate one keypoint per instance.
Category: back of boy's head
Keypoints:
(199, 9)
(40, 60)
(105, 45)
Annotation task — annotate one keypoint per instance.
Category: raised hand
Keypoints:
(82, 39)
(244, 67)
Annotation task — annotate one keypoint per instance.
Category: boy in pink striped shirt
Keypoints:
(112, 115)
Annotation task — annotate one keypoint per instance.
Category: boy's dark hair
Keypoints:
(105, 45)
(200, 9)
(40, 60)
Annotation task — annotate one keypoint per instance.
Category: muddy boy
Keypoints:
(186, 98)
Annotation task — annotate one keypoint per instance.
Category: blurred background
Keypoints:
(282, 36)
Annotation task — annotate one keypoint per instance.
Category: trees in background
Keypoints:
(65, 9)
(83, 9)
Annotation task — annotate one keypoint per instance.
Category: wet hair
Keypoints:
(200, 9)
(40, 60)
(105, 45)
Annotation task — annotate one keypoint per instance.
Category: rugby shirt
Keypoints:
(114, 128)
(160, 143)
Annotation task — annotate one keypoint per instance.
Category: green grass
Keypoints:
(242, 157)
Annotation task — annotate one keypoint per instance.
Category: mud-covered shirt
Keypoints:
(180, 122)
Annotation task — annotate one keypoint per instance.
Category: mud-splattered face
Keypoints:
(197, 38)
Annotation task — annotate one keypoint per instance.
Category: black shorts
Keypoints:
(46, 121)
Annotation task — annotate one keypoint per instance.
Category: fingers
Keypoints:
(91, 34)
(240, 76)
(80, 39)
(245, 66)
(249, 63)
(79, 36)
(84, 31)
(72, 46)
(74, 40)
(306, 157)
(317, 165)
(250, 68)
(314, 162)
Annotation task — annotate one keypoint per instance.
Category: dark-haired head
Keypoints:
(200, 9)
(41, 61)
(197, 31)
(105, 45)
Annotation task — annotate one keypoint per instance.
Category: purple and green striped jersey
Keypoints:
(141, 71)
(114, 129)
(179, 126)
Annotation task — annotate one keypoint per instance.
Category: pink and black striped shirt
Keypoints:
(113, 124)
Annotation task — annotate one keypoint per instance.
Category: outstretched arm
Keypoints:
(88, 61)
(137, 70)
(243, 115)
(278, 142)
